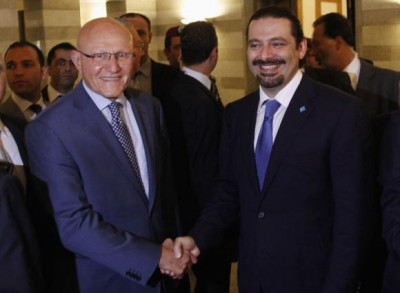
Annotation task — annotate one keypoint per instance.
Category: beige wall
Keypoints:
(379, 32)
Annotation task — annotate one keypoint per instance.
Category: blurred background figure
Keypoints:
(137, 45)
(172, 46)
(153, 78)
(25, 71)
(61, 70)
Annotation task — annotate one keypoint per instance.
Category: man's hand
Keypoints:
(171, 265)
(186, 244)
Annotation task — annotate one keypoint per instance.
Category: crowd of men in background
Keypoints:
(137, 173)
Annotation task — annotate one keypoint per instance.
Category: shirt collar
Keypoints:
(103, 102)
(24, 104)
(53, 93)
(285, 95)
(354, 66)
(145, 69)
(202, 78)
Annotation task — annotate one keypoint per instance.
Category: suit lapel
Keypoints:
(143, 121)
(101, 132)
(248, 123)
(296, 114)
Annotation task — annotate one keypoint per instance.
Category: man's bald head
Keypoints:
(104, 56)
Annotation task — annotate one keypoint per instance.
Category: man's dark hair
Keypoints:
(21, 44)
(64, 46)
(134, 14)
(279, 12)
(198, 39)
(336, 25)
(171, 32)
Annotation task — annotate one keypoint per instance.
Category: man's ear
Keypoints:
(214, 54)
(76, 59)
(45, 71)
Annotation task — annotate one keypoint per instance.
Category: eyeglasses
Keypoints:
(104, 58)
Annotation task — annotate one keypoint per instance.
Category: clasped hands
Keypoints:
(177, 257)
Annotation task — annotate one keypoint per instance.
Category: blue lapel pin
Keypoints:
(302, 109)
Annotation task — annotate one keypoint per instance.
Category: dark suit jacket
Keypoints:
(303, 232)
(20, 268)
(10, 108)
(389, 177)
(102, 214)
(378, 88)
(162, 77)
(337, 79)
(194, 120)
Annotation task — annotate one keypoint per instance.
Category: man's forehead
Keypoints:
(25, 53)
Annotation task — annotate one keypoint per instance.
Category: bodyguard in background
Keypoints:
(194, 119)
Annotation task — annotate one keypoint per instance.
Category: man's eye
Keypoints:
(278, 45)
(61, 62)
(99, 56)
(10, 66)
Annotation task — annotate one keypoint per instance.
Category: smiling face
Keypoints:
(272, 53)
(104, 35)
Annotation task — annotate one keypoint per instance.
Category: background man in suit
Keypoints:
(112, 201)
(61, 70)
(194, 120)
(137, 43)
(25, 71)
(378, 88)
(172, 46)
(301, 214)
(333, 46)
(153, 77)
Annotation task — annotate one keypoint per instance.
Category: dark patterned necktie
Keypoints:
(121, 132)
(264, 141)
(214, 89)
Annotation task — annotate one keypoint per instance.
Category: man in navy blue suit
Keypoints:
(301, 224)
(102, 154)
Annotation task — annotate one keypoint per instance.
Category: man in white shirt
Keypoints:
(25, 71)
(62, 72)
(333, 46)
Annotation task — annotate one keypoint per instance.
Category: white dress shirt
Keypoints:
(130, 121)
(202, 78)
(283, 97)
(353, 70)
(24, 104)
(10, 146)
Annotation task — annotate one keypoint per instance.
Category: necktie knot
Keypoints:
(271, 107)
(114, 108)
(35, 108)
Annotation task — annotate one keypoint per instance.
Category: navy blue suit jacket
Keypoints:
(303, 232)
(389, 177)
(102, 214)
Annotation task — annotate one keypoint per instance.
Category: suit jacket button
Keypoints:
(261, 215)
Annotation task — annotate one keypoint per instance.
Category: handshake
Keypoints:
(177, 257)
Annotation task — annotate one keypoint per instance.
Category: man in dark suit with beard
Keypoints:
(295, 167)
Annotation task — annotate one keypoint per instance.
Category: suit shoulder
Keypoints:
(163, 69)
(141, 97)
